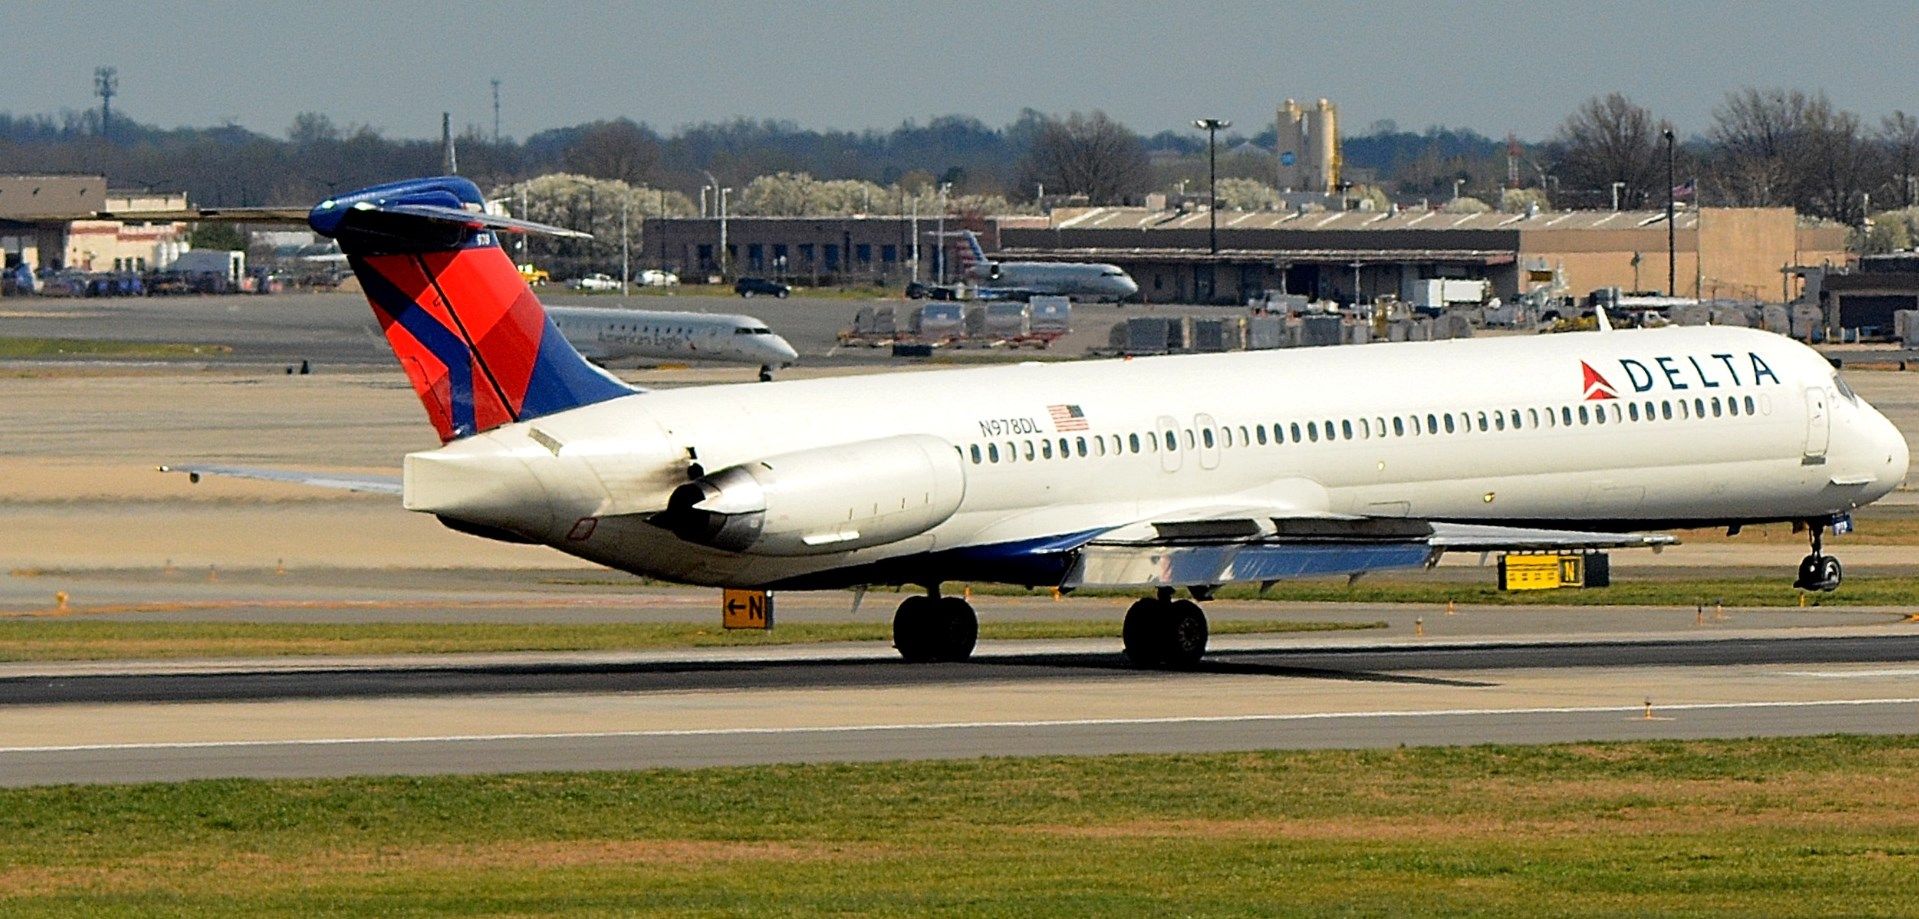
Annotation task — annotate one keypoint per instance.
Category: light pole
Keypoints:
(723, 193)
(1672, 236)
(1212, 127)
(1617, 187)
(1456, 184)
(939, 255)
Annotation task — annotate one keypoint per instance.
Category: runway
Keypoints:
(855, 703)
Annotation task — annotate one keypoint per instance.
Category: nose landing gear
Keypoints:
(1818, 571)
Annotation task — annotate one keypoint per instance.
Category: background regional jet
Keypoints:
(606, 335)
(1025, 280)
(1162, 474)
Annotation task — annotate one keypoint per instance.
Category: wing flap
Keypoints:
(1227, 545)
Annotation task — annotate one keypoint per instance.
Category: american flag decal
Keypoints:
(1067, 418)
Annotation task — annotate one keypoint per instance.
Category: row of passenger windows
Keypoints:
(1415, 425)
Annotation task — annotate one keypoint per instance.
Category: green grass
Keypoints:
(48, 639)
(1792, 827)
(22, 348)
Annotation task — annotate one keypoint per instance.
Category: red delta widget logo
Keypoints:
(1710, 371)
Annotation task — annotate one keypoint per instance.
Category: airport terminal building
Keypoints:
(1749, 254)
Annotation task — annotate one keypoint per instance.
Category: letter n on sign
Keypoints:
(746, 609)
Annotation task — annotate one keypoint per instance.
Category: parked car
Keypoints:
(747, 287)
(654, 277)
(596, 282)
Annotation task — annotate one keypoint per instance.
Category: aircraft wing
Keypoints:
(369, 484)
(1222, 546)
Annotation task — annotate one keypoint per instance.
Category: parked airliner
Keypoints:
(605, 335)
(1024, 280)
(1163, 474)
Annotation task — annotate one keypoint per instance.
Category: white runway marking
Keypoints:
(1854, 674)
(955, 725)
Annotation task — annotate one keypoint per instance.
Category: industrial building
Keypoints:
(39, 229)
(805, 250)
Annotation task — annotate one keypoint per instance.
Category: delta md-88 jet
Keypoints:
(1166, 475)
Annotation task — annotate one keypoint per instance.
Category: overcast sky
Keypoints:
(1494, 66)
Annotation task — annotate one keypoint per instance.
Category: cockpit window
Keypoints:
(1845, 389)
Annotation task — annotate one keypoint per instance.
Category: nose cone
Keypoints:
(1898, 458)
(783, 351)
(1127, 287)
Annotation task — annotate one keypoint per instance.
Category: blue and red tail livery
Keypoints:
(475, 342)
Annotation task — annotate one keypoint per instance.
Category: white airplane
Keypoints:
(1163, 474)
(604, 335)
(1025, 280)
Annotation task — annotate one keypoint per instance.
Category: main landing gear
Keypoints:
(1160, 632)
(1166, 633)
(1818, 571)
(766, 374)
(935, 628)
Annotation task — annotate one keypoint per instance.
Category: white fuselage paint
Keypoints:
(605, 335)
(1078, 280)
(583, 480)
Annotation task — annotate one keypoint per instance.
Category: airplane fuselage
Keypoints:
(949, 473)
(1080, 280)
(606, 335)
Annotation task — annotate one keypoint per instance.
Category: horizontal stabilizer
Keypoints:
(466, 218)
(369, 484)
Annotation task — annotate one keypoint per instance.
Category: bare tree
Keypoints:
(1837, 166)
(1609, 139)
(1090, 155)
(1899, 135)
(1763, 140)
(618, 150)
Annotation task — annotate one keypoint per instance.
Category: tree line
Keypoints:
(1762, 147)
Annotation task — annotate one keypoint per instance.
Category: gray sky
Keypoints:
(1495, 66)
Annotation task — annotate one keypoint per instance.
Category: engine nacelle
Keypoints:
(830, 499)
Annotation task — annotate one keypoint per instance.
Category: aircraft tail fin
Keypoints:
(473, 339)
(971, 255)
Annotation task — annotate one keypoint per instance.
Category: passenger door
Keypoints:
(1208, 432)
(1818, 423)
(1170, 458)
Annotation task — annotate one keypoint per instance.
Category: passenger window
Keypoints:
(1699, 408)
(1081, 444)
(1565, 416)
(1206, 437)
(1532, 417)
(1246, 437)
(1584, 416)
(1399, 426)
(1046, 449)
(1134, 439)
(1665, 409)
(1449, 422)
(1260, 432)
(1432, 423)
(1172, 440)
(1732, 406)
(1749, 405)
(1715, 406)
(1499, 421)
(992, 452)
(1379, 424)
(976, 456)
(1189, 438)
(1296, 437)
(1633, 410)
(1312, 431)
(1063, 451)
(1599, 414)
(1030, 452)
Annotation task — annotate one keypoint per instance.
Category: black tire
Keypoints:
(1165, 635)
(1143, 624)
(746, 294)
(782, 294)
(766, 375)
(1830, 573)
(958, 630)
(1186, 635)
(914, 635)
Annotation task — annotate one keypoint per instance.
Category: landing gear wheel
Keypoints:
(766, 374)
(927, 629)
(1169, 634)
(1819, 571)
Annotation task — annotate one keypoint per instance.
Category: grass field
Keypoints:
(1798, 827)
(24, 348)
(49, 639)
